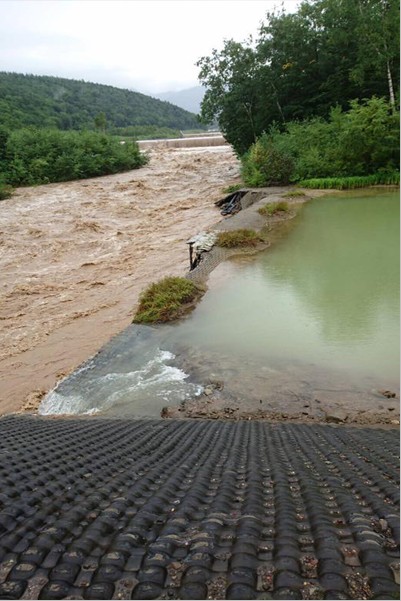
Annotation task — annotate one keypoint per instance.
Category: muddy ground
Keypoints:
(75, 257)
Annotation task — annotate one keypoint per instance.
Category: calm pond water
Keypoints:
(323, 300)
(328, 292)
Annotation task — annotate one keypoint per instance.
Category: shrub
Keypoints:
(359, 142)
(5, 191)
(238, 238)
(272, 208)
(39, 156)
(167, 300)
(265, 164)
(369, 138)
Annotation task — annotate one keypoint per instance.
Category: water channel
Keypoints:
(317, 314)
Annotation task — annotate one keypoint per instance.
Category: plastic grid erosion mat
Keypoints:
(96, 508)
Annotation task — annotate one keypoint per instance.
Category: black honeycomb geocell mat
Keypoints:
(96, 508)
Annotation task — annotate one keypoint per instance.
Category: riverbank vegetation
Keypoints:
(5, 191)
(273, 208)
(144, 132)
(351, 183)
(316, 95)
(39, 156)
(54, 129)
(238, 238)
(360, 142)
(167, 300)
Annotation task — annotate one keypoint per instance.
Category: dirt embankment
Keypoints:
(75, 257)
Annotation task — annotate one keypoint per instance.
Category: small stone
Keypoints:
(336, 416)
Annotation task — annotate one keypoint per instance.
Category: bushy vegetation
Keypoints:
(272, 208)
(265, 164)
(350, 183)
(39, 156)
(5, 191)
(66, 104)
(238, 238)
(167, 300)
(360, 142)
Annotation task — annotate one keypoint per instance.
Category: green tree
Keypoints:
(378, 33)
(101, 122)
(301, 65)
(231, 97)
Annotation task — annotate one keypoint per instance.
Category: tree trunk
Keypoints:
(390, 86)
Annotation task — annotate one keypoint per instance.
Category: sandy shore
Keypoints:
(75, 257)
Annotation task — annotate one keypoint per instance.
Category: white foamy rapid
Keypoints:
(140, 392)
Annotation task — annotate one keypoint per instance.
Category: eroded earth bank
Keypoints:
(75, 257)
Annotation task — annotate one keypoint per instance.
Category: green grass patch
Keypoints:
(5, 191)
(238, 238)
(350, 183)
(167, 300)
(232, 189)
(272, 208)
(293, 194)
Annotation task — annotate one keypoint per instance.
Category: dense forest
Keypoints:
(301, 67)
(67, 104)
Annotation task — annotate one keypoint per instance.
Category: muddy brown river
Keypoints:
(75, 257)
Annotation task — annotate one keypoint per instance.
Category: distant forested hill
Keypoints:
(45, 101)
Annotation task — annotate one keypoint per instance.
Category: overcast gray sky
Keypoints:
(151, 46)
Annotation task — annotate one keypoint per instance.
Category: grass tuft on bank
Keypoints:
(238, 238)
(272, 208)
(167, 300)
(233, 188)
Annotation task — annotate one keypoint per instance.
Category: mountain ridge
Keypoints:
(50, 101)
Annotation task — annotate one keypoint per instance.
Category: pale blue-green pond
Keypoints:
(319, 310)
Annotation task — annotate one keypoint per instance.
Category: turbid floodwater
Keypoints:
(76, 255)
(309, 325)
